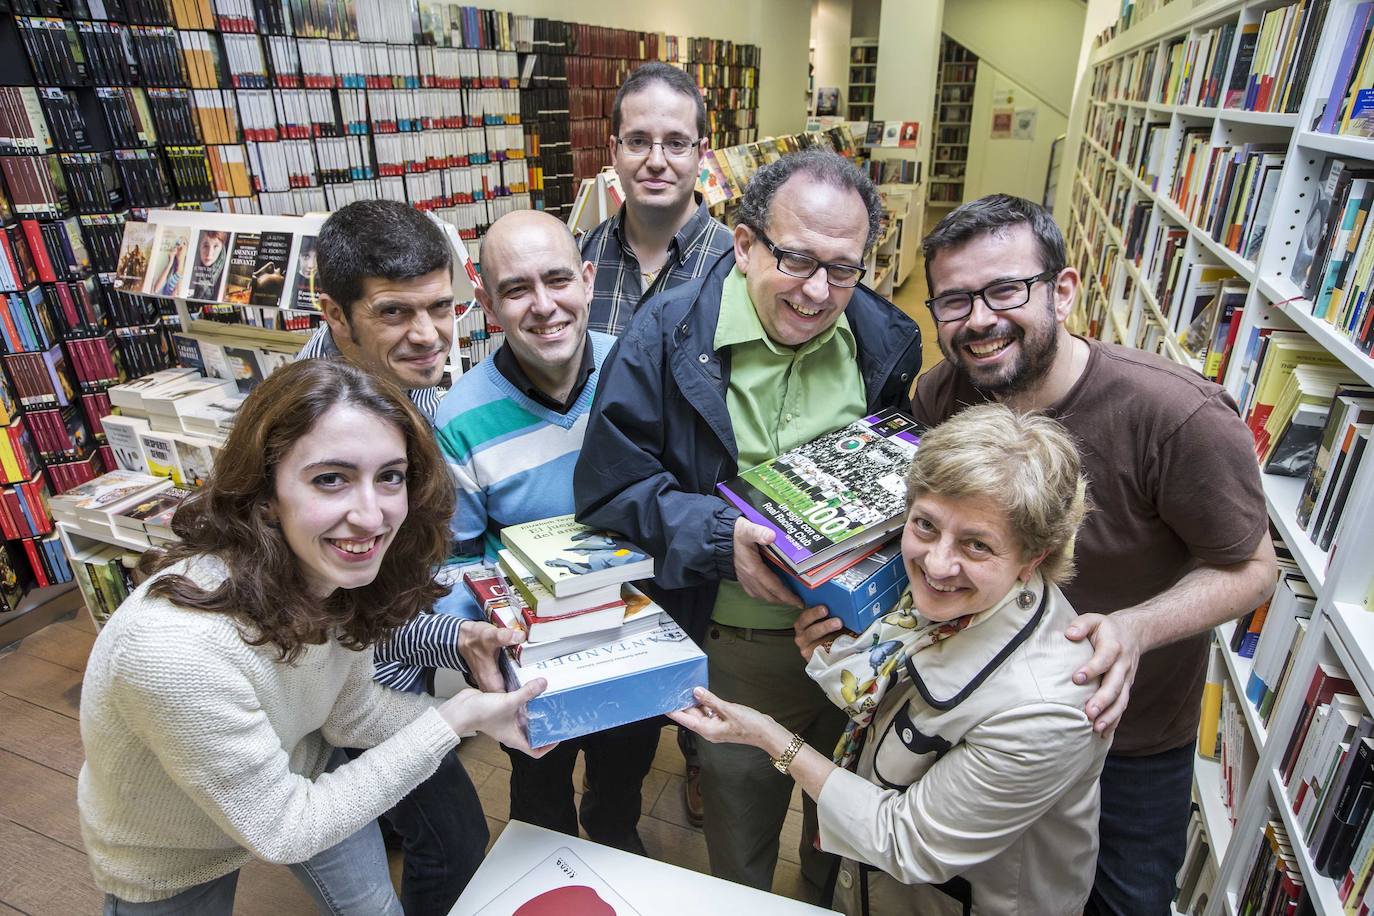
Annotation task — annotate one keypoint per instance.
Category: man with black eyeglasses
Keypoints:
(1177, 539)
(775, 345)
(663, 234)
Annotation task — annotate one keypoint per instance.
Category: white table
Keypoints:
(650, 886)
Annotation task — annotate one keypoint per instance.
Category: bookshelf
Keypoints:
(863, 79)
(1180, 153)
(954, 85)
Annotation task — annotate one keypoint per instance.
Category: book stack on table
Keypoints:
(611, 655)
(834, 506)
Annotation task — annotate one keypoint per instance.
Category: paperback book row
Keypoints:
(1261, 65)
(610, 655)
(1333, 268)
(1198, 875)
(1311, 419)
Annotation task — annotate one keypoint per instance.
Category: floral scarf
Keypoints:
(856, 672)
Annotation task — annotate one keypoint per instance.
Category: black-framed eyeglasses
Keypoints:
(640, 146)
(1002, 296)
(804, 267)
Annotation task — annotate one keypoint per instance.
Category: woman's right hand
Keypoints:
(814, 626)
(498, 715)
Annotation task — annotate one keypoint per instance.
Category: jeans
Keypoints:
(347, 879)
(1142, 832)
(618, 759)
(444, 836)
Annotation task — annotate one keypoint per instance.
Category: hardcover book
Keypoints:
(168, 269)
(855, 594)
(834, 493)
(243, 260)
(207, 269)
(570, 558)
(629, 679)
(269, 270)
(561, 885)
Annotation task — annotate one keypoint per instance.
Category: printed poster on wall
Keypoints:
(1001, 124)
(1023, 124)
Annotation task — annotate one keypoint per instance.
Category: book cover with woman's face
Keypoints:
(207, 268)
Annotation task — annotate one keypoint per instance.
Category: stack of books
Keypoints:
(611, 655)
(92, 507)
(171, 424)
(833, 506)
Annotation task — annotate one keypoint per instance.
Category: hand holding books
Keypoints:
(814, 626)
(480, 644)
(757, 580)
(499, 715)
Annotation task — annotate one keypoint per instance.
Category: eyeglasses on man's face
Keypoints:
(804, 267)
(1001, 296)
(638, 145)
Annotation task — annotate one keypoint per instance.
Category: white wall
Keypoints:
(1036, 42)
(908, 59)
(1008, 166)
(780, 27)
(1100, 14)
(830, 21)
(865, 20)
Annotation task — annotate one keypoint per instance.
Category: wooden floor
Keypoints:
(43, 868)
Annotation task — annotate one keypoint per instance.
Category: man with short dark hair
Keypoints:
(663, 235)
(1177, 541)
(387, 297)
(775, 345)
(384, 270)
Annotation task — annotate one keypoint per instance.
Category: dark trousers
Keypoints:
(1142, 833)
(443, 835)
(617, 759)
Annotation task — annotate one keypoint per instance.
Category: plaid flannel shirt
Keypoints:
(619, 287)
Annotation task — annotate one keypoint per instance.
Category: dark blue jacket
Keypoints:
(659, 438)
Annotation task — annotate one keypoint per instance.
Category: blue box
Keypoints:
(624, 680)
(851, 595)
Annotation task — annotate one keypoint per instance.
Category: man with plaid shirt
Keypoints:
(663, 234)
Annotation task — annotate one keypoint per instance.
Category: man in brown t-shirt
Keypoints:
(1176, 542)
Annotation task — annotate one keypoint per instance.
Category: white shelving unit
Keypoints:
(1341, 629)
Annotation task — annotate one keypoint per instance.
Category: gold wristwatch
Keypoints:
(784, 762)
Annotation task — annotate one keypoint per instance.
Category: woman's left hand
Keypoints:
(731, 723)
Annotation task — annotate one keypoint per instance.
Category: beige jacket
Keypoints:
(978, 783)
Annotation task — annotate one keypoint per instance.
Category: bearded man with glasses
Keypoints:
(1176, 542)
(775, 345)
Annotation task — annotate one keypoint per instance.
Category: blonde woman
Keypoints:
(966, 780)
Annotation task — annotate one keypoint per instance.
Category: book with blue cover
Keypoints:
(853, 594)
(621, 681)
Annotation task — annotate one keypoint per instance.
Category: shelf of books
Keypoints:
(1223, 175)
(954, 85)
(863, 79)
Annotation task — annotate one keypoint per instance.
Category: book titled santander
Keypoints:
(570, 558)
(623, 680)
(833, 494)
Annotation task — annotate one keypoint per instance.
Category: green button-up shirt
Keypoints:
(779, 398)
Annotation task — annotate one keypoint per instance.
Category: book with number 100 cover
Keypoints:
(833, 494)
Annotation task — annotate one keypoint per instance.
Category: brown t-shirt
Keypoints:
(1173, 480)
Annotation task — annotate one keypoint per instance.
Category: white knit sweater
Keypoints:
(203, 751)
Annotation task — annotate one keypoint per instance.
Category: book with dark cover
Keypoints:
(305, 292)
(269, 271)
(834, 493)
(243, 260)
